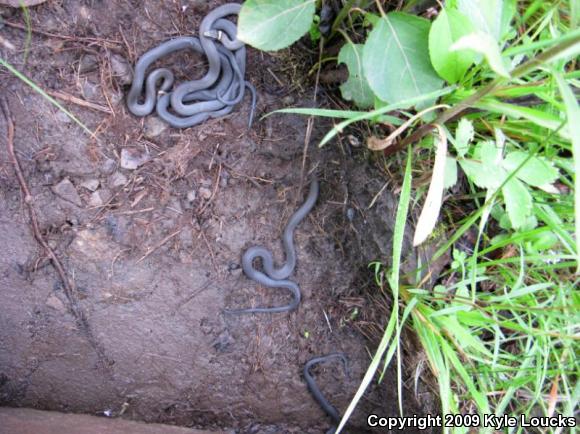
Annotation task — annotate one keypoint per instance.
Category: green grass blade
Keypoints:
(363, 116)
(402, 212)
(39, 90)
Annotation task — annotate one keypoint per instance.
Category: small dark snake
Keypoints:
(328, 408)
(193, 102)
(277, 277)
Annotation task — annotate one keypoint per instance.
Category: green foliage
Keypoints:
(274, 24)
(396, 58)
(512, 174)
(498, 331)
(356, 88)
(447, 29)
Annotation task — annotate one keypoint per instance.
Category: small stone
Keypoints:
(121, 69)
(117, 179)
(67, 191)
(288, 100)
(205, 193)
(191, 195)
(99, 197)
(55, 302)
(88, 63)
(108, 166)
(154, 126)
(90, 90)
(131, 159)
(90, 184)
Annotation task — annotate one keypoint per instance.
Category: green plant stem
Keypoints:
(451, 113)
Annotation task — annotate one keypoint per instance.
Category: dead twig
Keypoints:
(78, 101)
(74, 308)
(65, 37)
(163, 241)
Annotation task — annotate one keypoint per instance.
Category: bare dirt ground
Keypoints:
(153, 253)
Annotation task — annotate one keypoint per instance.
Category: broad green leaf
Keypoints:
(518, 202)
(356, 87)
(537, 171)
(274, 24)
(488, 153)
(447, 29)
(463, 136)
(450, 172)
(484, 44)
(573, 120)
(396, 58)
(485, 169)
(481, 176)
(490, 16)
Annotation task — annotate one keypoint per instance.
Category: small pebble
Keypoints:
(121, 69)
(88, 63)
(108, 166)
(205, 193)
(117, 179)
(67, 191)
(191, 195)
(90, 184)
(99, 197)
(56, 303)
(132, 159)
(154, 126)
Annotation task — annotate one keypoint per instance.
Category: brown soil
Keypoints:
(154, 267)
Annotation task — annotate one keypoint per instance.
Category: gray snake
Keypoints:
(328, 408)
(193, 102)
(278, 277)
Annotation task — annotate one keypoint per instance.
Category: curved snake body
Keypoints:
(193, 102)
(277, 277)
(328, 408)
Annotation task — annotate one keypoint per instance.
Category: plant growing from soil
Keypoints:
(498, 81)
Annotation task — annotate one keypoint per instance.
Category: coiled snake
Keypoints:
(277, 277)
(193, 102)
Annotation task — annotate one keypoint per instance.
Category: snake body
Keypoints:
(328, 408)
(277, 277)
(193, 102)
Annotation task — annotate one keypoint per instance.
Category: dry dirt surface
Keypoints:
(150, 223)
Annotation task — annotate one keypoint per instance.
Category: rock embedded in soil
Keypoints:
(108, 166)
(90, 184)
(88, 63)
(205, 193)
(67, 191)
(117, 179)
(191, 195)
(154, 126)
(99, 197)
(121, 69)
(132, 159)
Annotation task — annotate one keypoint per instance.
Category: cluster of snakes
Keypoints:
(278, 278)
(213, 96)
(193, 102)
